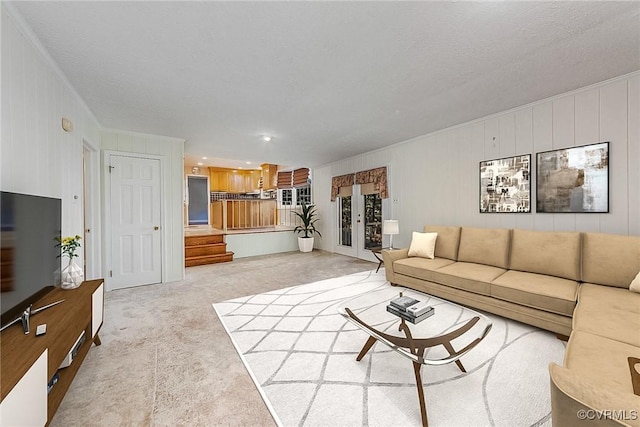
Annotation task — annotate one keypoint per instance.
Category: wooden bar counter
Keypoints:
(236, 214)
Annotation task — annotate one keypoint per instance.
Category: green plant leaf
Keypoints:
(308, 216)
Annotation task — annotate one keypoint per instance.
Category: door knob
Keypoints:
(156, 228)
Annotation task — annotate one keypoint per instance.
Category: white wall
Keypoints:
(36, 155)
(172, 152)
(264, 243)
(434, 178)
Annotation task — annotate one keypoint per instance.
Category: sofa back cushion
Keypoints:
(609, 259)
(489, 246)
(447, 242)
(544, 252)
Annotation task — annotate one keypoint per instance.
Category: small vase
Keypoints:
(72, 275)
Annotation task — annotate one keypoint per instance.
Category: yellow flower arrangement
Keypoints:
(69, 245)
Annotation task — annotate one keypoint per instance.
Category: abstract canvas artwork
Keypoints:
(573, 179)
(504, 185)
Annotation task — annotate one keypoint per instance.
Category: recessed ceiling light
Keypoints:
(248, 163)
(204, 158)
(266, 138)
(199, 163)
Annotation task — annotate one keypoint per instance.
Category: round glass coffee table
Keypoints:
(451, 327)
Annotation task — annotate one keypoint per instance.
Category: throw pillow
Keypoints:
(635, 284)
(423, 245)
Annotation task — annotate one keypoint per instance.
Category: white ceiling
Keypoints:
(328, 80)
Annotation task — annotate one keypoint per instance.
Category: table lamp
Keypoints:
(390, 227)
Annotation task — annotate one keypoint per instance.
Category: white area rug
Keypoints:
(302, 356)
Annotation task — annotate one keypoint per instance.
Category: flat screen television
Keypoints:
(29, 258)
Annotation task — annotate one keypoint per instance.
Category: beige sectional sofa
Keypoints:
(573, 284)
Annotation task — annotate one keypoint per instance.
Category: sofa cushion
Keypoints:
(547, 293)
(610, 260)
(591, 297)
(420, 268)
(423, 244)
(543, 252)
(467, 276)
(489, 246)
(447, 242)
(601, 359)
(609, 312)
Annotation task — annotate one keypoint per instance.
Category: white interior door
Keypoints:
(87, 212)
(91, 212)
(135, 203)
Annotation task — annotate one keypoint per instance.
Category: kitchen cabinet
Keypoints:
(233, 180)
(214, 181)
(236, 182)
(218, 179)
(269, 176)
(251, 179)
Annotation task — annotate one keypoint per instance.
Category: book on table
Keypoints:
(408, 316)
(419, 309)
(402, 303)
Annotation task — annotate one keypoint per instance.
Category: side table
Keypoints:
(377, 252)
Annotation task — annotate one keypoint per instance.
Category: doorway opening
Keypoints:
(198, 200)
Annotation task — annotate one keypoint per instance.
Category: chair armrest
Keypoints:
(389, 257)
(576, 400)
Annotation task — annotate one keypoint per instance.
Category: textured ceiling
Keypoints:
(327, 80)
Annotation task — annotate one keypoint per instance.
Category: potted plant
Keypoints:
(308, 217)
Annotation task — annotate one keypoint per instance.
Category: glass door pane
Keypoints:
(372, 221)
(346, 222)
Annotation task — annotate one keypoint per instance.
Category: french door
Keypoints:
(359, 224)
(346, 242)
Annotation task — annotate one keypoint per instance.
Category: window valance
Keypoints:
(301, 177)
(377, 177)
(372, 181)
(285, 179)
(340, 181)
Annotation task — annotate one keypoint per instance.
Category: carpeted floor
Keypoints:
(301, 354)
(165, 358)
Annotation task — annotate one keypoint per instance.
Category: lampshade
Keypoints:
(390, 226)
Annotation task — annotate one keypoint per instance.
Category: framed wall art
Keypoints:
(573, 180)
(505, 185)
